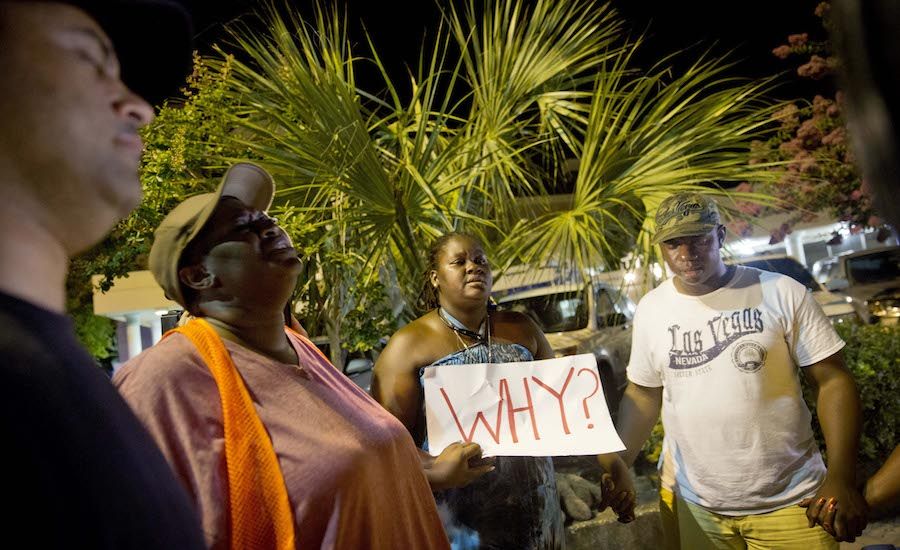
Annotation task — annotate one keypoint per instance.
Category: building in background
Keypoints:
(140, 309)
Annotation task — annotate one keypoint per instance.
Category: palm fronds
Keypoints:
(375, 177)
(646, 137)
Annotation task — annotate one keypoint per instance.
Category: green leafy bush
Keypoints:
(649, 456)
(872, 354)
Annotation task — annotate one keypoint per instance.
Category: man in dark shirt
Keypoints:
(79, 469)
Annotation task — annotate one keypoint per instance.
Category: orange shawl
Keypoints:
(260, 513)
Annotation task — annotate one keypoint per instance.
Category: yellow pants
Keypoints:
(691, 527)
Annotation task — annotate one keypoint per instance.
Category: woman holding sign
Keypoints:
(515, 505)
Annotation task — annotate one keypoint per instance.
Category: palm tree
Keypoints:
(507, 95)
(646, 137)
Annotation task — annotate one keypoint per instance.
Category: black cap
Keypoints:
(153, 41)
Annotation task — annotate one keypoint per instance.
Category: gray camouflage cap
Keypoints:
(684, 215)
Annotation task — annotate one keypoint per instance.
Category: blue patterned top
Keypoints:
(473, 355)
(516, 505)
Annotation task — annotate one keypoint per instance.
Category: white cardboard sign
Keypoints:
(552, 407)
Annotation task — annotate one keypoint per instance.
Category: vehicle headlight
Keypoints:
(889, 307)
(844, 319)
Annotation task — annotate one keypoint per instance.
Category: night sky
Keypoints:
(752, 29)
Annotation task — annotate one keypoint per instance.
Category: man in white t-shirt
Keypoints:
(719, 350)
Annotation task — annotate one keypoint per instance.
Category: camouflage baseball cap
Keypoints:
(684, 215)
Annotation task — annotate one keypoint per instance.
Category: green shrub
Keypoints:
(872, 354)
(649, 455)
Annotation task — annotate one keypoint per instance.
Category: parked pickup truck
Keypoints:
(581, 318)
(871, 279)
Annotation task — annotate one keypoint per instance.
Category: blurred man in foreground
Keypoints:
(80, 469)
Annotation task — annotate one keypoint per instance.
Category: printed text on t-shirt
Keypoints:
(689, 349)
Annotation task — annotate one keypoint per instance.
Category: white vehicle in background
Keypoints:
(577, 318)
(826, 269)
(871, 280)
(836, 307)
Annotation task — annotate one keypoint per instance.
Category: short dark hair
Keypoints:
(428, 297)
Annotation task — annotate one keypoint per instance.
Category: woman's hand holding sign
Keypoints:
(458, 465)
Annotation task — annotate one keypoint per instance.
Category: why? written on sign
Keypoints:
(552, 407)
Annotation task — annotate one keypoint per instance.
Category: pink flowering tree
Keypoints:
(813, 144)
